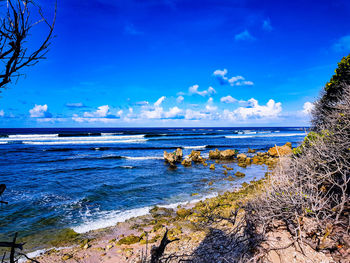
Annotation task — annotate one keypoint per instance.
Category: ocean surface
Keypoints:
(87, 179)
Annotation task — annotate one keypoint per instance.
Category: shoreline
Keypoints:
(127, 240)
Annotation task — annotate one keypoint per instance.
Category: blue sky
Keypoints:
(180, 63)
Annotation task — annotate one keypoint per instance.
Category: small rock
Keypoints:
(212, 167)
(239, 174)
(187, 162)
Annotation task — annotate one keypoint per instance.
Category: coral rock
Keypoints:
(239, 174)
(187, 162)
(214, 154)
(281, 150)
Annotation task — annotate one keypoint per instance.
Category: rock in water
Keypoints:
(227, 154)
(214, 154)
(251, 150)
(281, 150)
(173, 158)
(187, 162)
(239, 174)
(241, 156)
(196, 156)
(178, 154)
(212, 167)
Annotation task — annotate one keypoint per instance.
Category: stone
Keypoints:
(239, 174)
(187, 162)
(241, 156)
(225, 172)
(182, 212)
(230, 178)
(281, 150)
(251, 150)
(227, 154)
(66, 257)
(196, 156)
(214, 154)
(256, 160)
(129, 240)
(212, 167)
(174, 157)
(242, 164)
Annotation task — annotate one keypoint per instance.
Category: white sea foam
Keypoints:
(54, 137)
(3, 142)
(195, 147)
(110, 218)
(84, 142)
(265, 135)
(144, 158)
(23, 136)
(39, 252)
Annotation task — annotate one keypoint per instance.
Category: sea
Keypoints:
(91, 178)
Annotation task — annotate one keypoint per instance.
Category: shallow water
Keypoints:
(93, 178)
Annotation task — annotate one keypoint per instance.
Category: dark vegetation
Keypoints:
(18, 18)
(307, 195)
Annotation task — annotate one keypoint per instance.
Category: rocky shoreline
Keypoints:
(128, 241)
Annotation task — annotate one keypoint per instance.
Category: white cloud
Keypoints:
(180, 99)
(342, 44)
(194, 90)
(210, 107)
(142, 103)
(155, 112)
(233, 81)
(307, 108)
(40, 111)
(270, 110)
(228, 99)
(194, 115)
(245, 35)
(211, 90)
(173, 112)
(2, 113)
(221, 73)
(267, 25)
(101, 112)
(159, 101)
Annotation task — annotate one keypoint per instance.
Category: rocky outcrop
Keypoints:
(174, 157)
(251, 150)
(222, 155)
(239, 174)
(187, 162)
(227, 154)
(214, 154)
(281, 150)
(212, 167)
(196, 157)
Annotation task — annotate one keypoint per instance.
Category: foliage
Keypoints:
(16, 26)
(331, 94)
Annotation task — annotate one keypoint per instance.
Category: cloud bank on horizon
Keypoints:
(156, 64)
